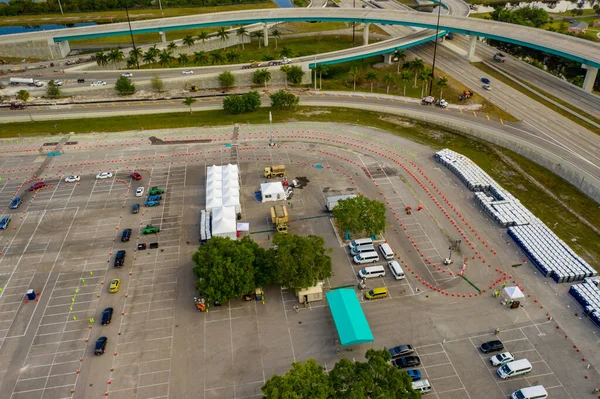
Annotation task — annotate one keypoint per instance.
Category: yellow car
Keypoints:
(115, 285)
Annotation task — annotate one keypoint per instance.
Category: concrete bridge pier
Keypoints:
(163, 36)
(590, 77)
(471, 50)
(366, 34)
(388, 58)
(266, 34)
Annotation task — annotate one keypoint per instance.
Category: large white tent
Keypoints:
(272, 192)
(223, 199)
(224, 222)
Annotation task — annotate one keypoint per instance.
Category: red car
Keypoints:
(135, 176)
(37, 186)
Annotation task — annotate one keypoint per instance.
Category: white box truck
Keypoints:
(27, 81)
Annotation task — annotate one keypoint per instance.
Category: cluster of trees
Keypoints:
(527, 16)
(293, 74)
(375, 378)
(360, 215)
(236, 104)
(29, 7)
(124, 86)
(228, 268)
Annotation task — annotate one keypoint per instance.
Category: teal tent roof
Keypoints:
(349, 319)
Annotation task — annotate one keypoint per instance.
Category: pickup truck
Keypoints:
(283, 61)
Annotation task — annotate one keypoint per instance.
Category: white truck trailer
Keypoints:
(331, 202)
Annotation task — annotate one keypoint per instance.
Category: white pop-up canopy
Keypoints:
(514, 292)
(272, 192)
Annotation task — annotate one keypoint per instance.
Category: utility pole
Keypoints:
(353, 24)
(437, 29)
(137, 61)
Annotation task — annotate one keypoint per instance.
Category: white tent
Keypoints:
(231, 184)
(223, 212)
(213, 203)
(513, 292)
(233, 202)
(272, 192)
(230, 168)
(224, 223)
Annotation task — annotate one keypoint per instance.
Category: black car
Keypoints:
(100, 346)
(491, 346)
(126, 235)
(401, 350)
(120, 258)
(407, 361)
(80, 80)
(107, 316)
(135, 208)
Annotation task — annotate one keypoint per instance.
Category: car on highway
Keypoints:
(57, 82)
(487, 87)
(127, 74)
(135, 208)
(98, 83)
(16, 202)
(401, 350)
(37, 186)
(107, 316)
(114, 285)
(187, 72)
(104, 175)
(139, 192)
(502, 358)
(80, 80)
(441, 103)
(135, 176)
(4, 222)
(485, 81)
(14, 106)
(449, 36)
(408, 361)
(492, 346)
(415, 375)
(72, 179)
(120, 258)
(100, 347)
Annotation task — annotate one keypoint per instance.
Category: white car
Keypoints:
(104, 175)
(58, 83)
(139, 192)
(99, 83)
(289, 192)
(72, 179)
(502, 358)
(187, 72)
(487, 87)
(127, 74)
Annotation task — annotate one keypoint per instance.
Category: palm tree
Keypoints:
(115, 56)
(200, 57)
(259, 34)
(189, 101)
(136, 53)
(149, 57)
(101, 59)
(424, 77)
(416, 66)
(321, 69)
(131, 62)
(172, 46)
(232, 55)
(165, 58)
(388, 80)
(354, 73)
(241, 32)
(276, 35)
(442, 83)
(217, 57)
(203, 36)
(405, 77)
(400, 55)
(285, 69)
(262, 76)
(222, 33)
(183, 59)
(188, 41)
(286, 52)
(372, 77)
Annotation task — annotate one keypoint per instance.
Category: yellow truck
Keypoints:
(279, 217)
(275, 170)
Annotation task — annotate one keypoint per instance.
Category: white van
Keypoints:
(362, 248)
(386, 251)
(359, 242)
(396, 270)
(372, 271)
(366, 257)
(514, 368)
(422, 386)
(535, 392)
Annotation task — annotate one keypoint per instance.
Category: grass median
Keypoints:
(582, 238)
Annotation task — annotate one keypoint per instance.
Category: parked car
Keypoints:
(37, 186)
(154, 197)
(414, 374)
(114, 285)
(502, 358)
(104, 175)
(135, 208)
(14, 106)
(135, 176)
(149, 229)
(120, 258)
(16, 202)
(491, 346)
(99, 83)
(107, 316)
(127, 74)
(100, 346)
(72, 179)
(126, 235)
(408, 361)
(401, 350)
(428, 100)
(4, 222)
(149, 203)
(188, 72)
(155, 190)
(139, 192)
(441, 103)
(289, 192)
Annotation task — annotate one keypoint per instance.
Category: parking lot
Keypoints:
(62, 240)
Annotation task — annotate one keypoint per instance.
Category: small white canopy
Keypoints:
(272, 191)
(514, 292)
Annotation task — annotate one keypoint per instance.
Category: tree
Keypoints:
(285, 69)
(416, 66)
(259, 34)
(226, 79)
(217, 57)
(223, 34)
(286, 52)
(200, 57)
(23, 95)
(251, 100)
(372, 77)
(441, 84)
(321, 70)
(115, 56)
(388, 80)
(124, 86)
(400, 55)
(241, 32)
(101, 59)
(307, 380)
(53, 90)
(405, 77)
(302, 261)
(276, 35)
(225, 268)
(261, 76)
(424, 76)
(136, 54)
(236, 104)
(156, 83)
(149, 57)
(183, 59)
(203, 36)
(232, 55)
(188, 41)
(295, 74)
(165, 58)
(360, 215)
(354, 74)
(283, 99)
(189, 101)
(171, 47)
(131, 62)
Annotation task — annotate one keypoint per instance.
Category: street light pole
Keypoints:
(437, 29)
(137, 61)
(353, 24)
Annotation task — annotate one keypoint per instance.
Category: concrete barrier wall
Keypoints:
(44, 49)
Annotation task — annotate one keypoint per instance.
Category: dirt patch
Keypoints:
(397, 121)
(316, 112)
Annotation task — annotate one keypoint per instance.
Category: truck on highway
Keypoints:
(331, 202)
(27, 81)
(275, 170)
(253, 64)
(283, 61)
(279, 217)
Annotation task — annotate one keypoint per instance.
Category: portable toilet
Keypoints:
(31, 294)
